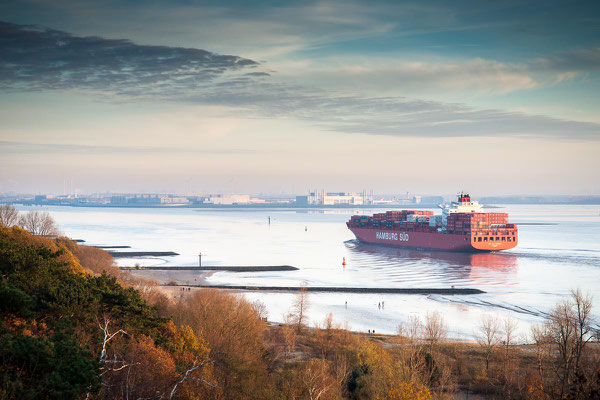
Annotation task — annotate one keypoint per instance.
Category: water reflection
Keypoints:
(418, 266)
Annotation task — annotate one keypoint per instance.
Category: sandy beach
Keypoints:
(163, 277)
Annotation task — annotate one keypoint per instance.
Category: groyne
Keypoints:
(365, 290)
(231, 268)
(121, 254)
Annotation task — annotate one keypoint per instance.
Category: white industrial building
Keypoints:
(229, 199)
(321, 197)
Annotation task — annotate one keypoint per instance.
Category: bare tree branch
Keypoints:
(39, 223)
(187, 373)
(9, 216)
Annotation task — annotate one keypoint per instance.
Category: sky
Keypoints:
(274, 97)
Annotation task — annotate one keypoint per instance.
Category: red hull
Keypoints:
(428, 240)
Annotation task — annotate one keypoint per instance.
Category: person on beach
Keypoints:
(379, 305)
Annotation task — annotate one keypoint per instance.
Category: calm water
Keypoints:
(559, 249)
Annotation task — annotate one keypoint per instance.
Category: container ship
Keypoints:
(461, 227)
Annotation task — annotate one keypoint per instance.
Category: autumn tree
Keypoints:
(375, 376)
(9, 216)
(235, 334)
(298, 313)
(324, 334)
(488, 337)
(39, 223)
(412, 348)
(510, 362)
(422, 360)
(435, 329)
(543, 350)
(567, 367)
(569, 328)
(261, 309)
(318, 381)
(289, 335)
(65, 333)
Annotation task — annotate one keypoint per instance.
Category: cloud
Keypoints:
(43, 59)
(13, 147)
(389, 76)
(35, 58)
(395, 116)
(263, 29)
(580, 60)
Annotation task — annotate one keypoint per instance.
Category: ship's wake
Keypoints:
(482, 301)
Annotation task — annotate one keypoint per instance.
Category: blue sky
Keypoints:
(431, 97)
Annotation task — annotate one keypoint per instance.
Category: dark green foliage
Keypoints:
(34, 272)
(355, 381)
(45, 304)
(14, 300)
(40, 367)
(125, 306)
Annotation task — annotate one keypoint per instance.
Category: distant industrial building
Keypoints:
(228, 199)
(148, 199)
(323, 198)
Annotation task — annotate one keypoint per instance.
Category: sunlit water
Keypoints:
(559, 250)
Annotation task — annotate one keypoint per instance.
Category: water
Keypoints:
(559, 250)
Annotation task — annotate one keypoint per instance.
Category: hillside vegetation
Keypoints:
(73, 327)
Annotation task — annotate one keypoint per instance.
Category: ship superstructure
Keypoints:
(461, 227)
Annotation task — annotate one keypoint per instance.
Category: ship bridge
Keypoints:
(463, 205)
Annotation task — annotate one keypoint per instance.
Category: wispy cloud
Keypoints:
(580, 60)
(44, 59)
(20, 148)
(388, 75)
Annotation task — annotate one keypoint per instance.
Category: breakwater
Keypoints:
(121, 254)
(426, 291)
(231, 268)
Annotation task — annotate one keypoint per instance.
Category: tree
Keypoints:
(435, 329)
(489, 331)
(39, 223)
(569, 330)
(299, 309)
(318, 381)
(510, 364)
(9, 216)
(289, 335)
(261, 309)
(54, 367)
(375, 376)
(235, 334)
(542, 351)
(567, 366)
(412, 351)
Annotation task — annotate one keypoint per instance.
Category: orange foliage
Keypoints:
(408, 391)
(93, 259)
(236, 336)
(383, 380)
(23, 238)
(318, 381)
(148, 370)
